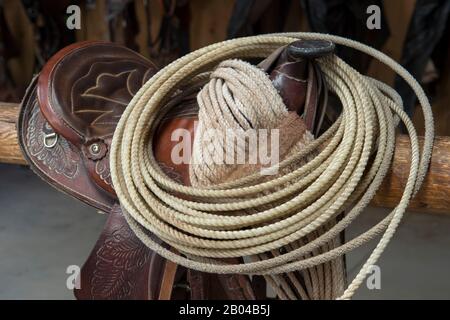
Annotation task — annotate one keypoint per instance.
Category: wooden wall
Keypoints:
(209, 22)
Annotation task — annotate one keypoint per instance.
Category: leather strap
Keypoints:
(311, 98)
(170, 270)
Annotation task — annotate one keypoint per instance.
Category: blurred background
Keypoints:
(43, 231)
(413, 32)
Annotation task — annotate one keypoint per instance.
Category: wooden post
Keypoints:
(9, 145)
(433, 197)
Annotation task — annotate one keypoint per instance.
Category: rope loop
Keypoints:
(297, 209)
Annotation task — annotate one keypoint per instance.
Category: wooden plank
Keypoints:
(93, 20)
(9, 144)
(434, 195)
(21, 30)
(209, 21)
(142, 38)
(398, 14)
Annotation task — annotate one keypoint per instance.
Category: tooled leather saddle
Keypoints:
(66, 124)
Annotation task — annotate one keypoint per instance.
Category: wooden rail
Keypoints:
(433, 197)
(9, 145)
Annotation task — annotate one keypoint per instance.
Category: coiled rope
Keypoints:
(339, 177)
(237, 102)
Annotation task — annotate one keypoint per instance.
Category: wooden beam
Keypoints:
(433, 197)
(9, 144)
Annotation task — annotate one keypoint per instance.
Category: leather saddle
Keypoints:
(66, 124)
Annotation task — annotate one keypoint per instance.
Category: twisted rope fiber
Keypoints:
(240, 96)
(339, 177)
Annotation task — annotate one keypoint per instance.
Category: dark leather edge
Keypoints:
(25, 106)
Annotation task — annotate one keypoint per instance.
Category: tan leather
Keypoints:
(168, 280)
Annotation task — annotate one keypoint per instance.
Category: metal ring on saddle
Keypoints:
(54, 136)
